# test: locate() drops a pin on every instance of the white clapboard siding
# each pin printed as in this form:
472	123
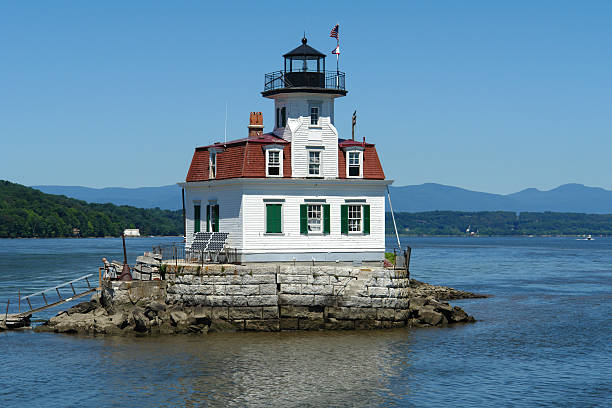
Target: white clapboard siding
302	135
229	199
255	238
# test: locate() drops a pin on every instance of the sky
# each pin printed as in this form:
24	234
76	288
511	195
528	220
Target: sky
489	96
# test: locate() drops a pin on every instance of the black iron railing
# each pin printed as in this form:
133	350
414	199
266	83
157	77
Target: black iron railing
327	80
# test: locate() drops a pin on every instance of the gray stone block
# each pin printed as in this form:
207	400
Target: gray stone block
245	313
262	325
238	300
320	300
267	289
291	288
220	313
262	300
258	279
245	290
220	300
311	324
296	300
269	312
375	291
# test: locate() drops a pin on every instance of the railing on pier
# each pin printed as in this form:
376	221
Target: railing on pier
75	295
177	253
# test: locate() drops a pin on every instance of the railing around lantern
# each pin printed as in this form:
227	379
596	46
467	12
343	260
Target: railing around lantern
323	79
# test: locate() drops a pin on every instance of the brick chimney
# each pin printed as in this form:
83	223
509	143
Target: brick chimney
255	125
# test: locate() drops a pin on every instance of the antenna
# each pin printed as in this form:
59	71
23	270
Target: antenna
225	126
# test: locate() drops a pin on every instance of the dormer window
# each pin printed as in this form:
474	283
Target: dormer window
274	160
212	167
273	164
354	164
354	161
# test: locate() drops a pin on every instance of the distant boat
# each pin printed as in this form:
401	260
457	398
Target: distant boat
587	238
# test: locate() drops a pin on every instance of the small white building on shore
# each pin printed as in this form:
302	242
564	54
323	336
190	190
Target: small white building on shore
299	193
131	232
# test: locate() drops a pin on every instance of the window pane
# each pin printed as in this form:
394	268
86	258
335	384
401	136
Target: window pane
314	218
314	115
354	171
314	163
274	163
354	218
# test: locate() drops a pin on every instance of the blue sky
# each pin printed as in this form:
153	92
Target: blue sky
483	95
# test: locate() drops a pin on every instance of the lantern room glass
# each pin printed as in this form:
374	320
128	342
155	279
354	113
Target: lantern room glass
304	64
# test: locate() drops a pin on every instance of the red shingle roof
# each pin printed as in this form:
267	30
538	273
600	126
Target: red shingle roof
246	158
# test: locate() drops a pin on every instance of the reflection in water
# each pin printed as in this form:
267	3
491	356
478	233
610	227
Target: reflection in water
237	369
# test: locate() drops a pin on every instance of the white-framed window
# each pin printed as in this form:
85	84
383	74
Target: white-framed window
314	163
354	218
314	115
315	218
212	168
354	163
274	163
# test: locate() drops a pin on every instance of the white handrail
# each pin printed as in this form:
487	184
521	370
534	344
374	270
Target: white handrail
57	287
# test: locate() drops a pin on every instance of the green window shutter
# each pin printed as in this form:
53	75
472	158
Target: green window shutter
215	218
208	218
326	219
273	218
344	219
196	218
366	219
303	218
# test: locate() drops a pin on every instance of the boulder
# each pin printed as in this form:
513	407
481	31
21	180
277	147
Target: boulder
141	323
178	317
432	318
83	307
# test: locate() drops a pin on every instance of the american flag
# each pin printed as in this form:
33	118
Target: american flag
334	31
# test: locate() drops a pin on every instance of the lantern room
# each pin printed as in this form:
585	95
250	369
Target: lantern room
304	71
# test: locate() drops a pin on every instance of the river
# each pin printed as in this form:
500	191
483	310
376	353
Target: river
544	338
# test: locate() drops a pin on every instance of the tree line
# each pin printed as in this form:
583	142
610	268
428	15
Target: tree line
26	213
499	223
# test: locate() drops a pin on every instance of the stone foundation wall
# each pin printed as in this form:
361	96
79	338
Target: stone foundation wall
283	297
294	297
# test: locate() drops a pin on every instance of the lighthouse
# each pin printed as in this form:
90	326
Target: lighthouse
298	193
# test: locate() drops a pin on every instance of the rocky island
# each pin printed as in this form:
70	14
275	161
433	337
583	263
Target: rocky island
213	298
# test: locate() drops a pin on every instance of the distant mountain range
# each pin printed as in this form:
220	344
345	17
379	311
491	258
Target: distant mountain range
417	198
164	197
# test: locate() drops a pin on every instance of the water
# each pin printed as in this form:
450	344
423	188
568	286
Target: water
543	339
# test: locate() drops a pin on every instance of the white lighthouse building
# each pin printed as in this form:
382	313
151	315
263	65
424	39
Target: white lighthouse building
299	193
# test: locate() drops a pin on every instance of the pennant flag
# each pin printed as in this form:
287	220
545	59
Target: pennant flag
336	50
335	31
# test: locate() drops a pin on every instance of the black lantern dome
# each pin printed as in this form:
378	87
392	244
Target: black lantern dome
304	71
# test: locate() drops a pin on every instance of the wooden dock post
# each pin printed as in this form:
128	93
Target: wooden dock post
8	302
407	253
